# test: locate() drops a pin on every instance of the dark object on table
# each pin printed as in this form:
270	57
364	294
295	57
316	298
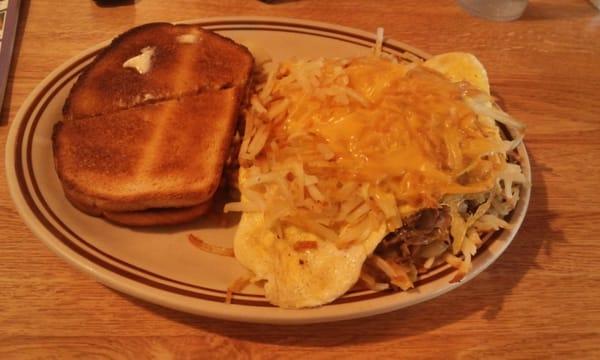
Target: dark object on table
275	2
8	33
112	3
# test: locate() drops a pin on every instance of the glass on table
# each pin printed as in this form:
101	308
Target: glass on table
498	10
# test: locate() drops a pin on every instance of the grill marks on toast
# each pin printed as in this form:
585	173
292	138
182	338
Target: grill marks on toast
149	149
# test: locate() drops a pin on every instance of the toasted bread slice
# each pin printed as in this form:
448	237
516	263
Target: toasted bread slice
155	217
161	155
185	59
150	217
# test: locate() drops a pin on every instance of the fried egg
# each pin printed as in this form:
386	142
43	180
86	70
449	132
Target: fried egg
298	279
460	66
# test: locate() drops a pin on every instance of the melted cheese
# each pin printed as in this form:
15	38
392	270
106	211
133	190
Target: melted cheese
416	130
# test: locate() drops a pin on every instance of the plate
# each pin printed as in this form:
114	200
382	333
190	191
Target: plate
159	265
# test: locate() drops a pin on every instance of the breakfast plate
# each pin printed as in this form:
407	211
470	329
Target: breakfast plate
159	264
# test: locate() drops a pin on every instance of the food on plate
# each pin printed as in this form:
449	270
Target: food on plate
148	125
373	170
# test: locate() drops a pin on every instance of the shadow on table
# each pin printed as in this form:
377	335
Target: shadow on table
547	11
495	283
23	15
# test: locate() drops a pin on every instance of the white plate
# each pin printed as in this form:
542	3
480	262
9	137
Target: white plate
159	265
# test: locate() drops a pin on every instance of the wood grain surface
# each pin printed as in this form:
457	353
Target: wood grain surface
541	299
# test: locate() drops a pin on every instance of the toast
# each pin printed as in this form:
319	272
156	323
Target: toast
155	217
147	146
149	217
186	59
166	154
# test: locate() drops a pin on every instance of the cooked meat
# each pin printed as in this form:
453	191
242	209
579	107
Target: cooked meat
424	227
401	248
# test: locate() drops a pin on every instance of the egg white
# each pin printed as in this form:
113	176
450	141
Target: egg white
460	66
297	279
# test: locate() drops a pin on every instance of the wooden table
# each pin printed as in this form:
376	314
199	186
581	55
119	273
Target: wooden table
540	299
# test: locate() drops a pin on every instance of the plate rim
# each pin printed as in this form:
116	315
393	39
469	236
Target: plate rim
230	311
